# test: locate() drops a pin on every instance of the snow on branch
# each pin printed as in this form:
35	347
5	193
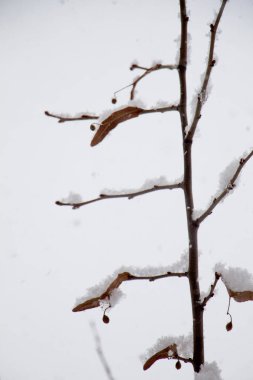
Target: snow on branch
171	347
238	281
208	371
228	179
62	118
201	97
212	289
155	185
107	291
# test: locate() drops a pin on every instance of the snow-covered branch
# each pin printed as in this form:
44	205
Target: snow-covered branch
171	347
210	64
121	277
230	186
112	195
62	118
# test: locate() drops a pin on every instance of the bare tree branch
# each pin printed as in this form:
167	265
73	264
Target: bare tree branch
210	64
211	293
183	65
63	119
128	195
100	352
148	70
222	195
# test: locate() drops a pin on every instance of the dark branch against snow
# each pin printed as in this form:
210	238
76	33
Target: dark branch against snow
63	118
225	192
210	64
131	195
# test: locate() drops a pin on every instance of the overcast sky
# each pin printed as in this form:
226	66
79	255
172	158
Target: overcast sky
70	56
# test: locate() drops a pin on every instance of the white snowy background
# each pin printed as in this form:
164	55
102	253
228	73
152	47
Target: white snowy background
70	56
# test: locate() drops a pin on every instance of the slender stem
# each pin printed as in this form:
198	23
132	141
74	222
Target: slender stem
197	311
159	276
127	195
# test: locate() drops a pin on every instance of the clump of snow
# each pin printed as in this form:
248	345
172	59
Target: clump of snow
161	103
115	297
177	41
179	266
227	174
197	213
156	62
72	198
236	279
134	62
209	371
99	289
184	346
137	103
79	114
148	184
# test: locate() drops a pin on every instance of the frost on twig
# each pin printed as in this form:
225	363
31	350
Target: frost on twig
107	291
238	281
171	347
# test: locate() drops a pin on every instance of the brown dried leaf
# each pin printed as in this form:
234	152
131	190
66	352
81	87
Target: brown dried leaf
163	354
246	295
113	120
95	302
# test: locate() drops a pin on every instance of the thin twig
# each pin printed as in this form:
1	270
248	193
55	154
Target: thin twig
183	65
128	195
149	70
211	293
222	195
159	276
161	109
63	119
210	64
100	352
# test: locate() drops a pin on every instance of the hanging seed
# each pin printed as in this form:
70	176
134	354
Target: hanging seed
178	365
229	326
106	319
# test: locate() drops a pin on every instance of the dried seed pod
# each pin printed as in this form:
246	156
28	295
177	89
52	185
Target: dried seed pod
106	319
178	365
229	326
92	127
114	100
